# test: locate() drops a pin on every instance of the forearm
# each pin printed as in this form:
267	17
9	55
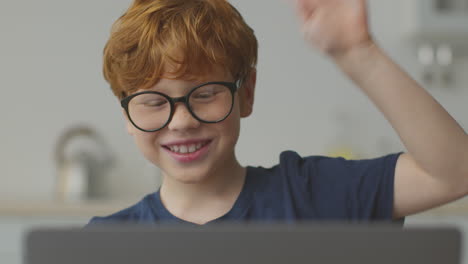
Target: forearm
430	134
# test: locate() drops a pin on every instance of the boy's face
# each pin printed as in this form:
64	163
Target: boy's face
215	143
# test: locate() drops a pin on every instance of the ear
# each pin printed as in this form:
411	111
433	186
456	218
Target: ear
128	124
247	94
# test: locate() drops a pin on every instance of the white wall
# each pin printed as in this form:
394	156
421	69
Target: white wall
51	78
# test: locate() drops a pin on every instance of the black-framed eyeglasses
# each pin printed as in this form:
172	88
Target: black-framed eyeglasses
210	102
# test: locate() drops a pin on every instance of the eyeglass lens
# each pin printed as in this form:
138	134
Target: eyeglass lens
209	103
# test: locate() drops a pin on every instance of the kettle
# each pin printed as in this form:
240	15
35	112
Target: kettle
80	163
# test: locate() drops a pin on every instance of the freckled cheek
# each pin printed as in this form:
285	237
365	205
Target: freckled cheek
231	127
148	145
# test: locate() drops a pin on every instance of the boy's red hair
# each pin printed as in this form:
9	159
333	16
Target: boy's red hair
177	39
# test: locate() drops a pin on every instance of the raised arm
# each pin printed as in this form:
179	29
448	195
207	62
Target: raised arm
435	169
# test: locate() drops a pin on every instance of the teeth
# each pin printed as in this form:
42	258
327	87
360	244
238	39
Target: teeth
183	149
191	148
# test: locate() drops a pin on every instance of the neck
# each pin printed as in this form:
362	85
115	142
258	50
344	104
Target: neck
207	199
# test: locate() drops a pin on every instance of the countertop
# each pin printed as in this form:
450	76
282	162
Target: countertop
65	209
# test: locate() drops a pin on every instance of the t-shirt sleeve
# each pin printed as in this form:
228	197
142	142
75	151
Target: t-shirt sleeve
340	189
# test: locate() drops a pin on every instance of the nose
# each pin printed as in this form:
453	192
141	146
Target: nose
182	119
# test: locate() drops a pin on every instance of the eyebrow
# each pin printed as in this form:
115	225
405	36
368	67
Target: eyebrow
166	89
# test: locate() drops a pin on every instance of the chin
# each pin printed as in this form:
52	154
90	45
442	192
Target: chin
189	179
188	176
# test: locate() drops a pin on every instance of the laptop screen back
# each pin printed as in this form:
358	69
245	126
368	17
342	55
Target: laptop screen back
266	244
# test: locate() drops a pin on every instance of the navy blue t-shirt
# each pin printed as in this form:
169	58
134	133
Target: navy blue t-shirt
298	189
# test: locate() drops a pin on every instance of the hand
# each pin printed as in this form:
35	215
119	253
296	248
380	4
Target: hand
335	27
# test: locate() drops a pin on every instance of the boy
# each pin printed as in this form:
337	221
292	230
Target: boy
184	71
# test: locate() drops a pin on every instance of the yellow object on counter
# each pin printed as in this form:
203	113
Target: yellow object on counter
343	152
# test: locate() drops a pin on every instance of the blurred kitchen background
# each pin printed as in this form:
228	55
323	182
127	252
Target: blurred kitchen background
65	154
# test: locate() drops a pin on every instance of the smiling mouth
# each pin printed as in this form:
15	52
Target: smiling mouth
187	148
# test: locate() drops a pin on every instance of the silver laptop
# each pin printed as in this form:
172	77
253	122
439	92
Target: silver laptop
259	244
